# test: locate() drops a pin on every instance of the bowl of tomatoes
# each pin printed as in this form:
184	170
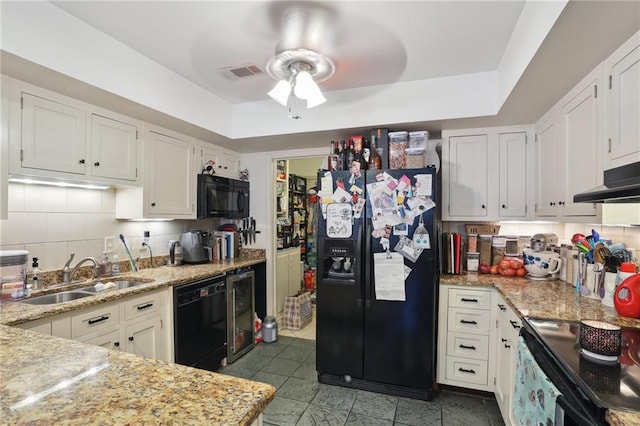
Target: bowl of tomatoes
509	267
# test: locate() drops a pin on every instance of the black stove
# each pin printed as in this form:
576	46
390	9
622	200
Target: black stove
608	384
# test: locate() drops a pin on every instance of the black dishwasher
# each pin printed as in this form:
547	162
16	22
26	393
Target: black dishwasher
200	323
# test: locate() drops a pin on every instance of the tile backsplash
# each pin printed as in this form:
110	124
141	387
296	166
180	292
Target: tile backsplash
51	222
630	235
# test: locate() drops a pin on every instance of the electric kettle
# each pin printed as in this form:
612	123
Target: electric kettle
626	298
195	247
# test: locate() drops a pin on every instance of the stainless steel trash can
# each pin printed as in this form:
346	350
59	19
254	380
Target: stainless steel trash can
269	330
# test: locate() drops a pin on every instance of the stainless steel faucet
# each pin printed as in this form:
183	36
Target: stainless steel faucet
67	274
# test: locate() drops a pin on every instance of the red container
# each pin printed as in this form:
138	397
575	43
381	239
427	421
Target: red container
626	298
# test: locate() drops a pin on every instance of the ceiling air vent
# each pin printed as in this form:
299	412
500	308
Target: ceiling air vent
242	71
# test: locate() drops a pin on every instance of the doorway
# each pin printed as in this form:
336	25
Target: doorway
295	182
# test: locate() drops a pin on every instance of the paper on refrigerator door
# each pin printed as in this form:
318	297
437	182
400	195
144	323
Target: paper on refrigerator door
389	276
423	185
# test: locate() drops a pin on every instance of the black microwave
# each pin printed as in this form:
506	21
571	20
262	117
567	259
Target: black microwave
222	197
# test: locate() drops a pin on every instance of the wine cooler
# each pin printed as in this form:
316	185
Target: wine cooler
240	314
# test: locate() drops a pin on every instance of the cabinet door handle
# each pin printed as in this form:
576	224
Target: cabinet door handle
97	320
467	347
502	307
81	161
503	340
514	324
141	307
469	322
153	204
116	344
504	206
131	338
464	370
561	203
483	206
464	299
507	346
97	164
609	144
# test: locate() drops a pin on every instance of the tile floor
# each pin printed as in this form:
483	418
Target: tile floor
289	365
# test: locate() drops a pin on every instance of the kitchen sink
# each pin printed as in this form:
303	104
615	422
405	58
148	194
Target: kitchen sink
62	297
120	284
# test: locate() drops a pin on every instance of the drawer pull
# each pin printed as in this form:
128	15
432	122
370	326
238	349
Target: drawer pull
507	346
503	340
97	320
131	338
467	347
141	307
514	324
116	344
464	299
464	370
470	322
502	307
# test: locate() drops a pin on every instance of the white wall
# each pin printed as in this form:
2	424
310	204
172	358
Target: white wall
51	222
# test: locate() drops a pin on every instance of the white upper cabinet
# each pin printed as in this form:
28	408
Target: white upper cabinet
622	134
225	163
512	172
569	151
582	155
487	173
170	175
170	171
53	136
114	147
468	165
547	165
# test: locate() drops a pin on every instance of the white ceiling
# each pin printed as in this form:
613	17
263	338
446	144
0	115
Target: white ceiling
379	47
372	43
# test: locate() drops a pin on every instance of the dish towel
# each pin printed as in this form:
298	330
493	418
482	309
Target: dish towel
534	399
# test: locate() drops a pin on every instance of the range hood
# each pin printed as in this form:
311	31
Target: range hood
621	185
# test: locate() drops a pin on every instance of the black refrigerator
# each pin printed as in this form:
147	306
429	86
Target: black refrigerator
367	337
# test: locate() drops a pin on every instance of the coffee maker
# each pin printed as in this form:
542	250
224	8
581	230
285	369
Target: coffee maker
195	247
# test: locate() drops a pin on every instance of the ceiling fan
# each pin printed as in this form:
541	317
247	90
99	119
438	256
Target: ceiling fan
321	42
299	63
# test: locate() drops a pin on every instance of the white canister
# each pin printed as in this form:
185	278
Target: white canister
13	274
609	288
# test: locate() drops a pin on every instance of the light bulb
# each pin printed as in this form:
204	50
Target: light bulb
304	85
315	98
280	93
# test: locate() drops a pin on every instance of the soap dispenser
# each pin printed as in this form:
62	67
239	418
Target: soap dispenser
36	283
105	266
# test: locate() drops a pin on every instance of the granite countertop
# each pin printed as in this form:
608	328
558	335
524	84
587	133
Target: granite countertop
551	300
15	313
49	380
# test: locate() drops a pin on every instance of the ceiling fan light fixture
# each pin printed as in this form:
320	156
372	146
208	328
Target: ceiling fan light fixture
301	70
280	93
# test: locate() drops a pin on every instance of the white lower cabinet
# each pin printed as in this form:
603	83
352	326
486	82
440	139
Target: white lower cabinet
464	336
506	346
137	325
108	340
288	274
144	338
